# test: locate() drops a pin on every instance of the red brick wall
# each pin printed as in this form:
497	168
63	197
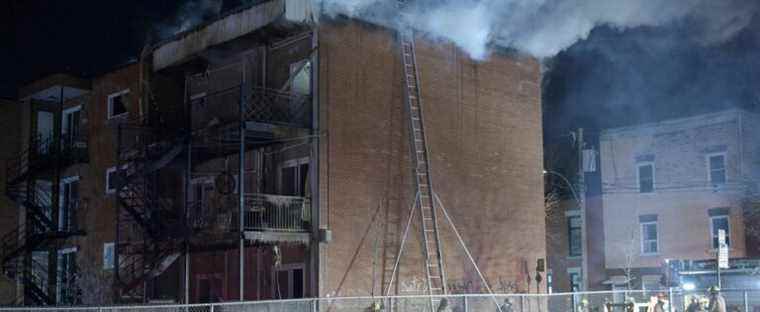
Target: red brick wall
484	130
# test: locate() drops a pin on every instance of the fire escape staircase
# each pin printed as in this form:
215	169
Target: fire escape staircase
38	229
150	229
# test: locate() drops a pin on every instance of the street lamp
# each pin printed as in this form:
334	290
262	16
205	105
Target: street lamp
570	185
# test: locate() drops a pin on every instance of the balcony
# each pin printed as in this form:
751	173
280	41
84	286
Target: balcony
266	217
280	108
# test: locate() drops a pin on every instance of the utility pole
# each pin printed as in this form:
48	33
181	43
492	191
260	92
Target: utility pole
582	206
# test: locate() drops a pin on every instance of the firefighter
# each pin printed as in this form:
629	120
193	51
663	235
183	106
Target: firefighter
717	302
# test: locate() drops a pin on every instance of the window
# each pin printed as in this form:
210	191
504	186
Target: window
719	223
294	177
300	73
649	243
646	178
717	167
65	287
111	180
117	104
576	283
69	203
108	256
575	244
288	281
71	120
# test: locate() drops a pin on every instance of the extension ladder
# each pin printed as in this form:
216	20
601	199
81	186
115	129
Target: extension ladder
426	206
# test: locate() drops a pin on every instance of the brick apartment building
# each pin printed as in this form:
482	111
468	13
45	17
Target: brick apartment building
567	257
148	190
668	187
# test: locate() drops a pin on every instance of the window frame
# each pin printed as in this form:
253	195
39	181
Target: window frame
644	241
65	122
109	170
62	200
296	163
290	268
109	103
708	166
714	233
569	219
109	265
110	190
638	176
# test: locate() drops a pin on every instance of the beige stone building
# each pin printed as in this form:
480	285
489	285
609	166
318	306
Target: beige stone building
668	188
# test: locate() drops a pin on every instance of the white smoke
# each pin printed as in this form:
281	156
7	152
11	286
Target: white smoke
543	28
188	15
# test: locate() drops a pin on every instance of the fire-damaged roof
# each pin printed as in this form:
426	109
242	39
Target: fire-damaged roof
230	26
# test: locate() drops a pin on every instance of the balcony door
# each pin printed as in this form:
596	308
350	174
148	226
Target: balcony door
44	130
69	202
288	281
71	125
66	271
294	177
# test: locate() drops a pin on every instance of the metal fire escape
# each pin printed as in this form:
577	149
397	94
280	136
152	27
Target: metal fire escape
39	230
150	230
426	204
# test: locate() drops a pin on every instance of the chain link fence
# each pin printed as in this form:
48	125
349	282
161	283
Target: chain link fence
675	300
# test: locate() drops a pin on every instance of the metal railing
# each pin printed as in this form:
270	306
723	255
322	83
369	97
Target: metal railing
736	300
279	107
264	212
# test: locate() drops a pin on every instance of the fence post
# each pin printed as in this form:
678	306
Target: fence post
211	308
466	309
746	302
670	299
314	305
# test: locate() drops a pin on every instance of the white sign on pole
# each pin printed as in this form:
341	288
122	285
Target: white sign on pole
722	250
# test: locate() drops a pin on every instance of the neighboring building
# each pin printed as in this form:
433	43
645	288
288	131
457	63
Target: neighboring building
565	218
10	118
668	187
326	180
48	153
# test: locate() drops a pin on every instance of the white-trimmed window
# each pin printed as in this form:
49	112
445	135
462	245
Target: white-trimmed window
645	177
117	104
109	251
649	241
716	166
111	180
720	223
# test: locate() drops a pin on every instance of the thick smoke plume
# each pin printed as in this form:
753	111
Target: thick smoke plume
543	28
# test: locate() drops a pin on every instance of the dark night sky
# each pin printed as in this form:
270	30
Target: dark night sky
613	77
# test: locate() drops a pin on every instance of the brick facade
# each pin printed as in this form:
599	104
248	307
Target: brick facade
484	130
